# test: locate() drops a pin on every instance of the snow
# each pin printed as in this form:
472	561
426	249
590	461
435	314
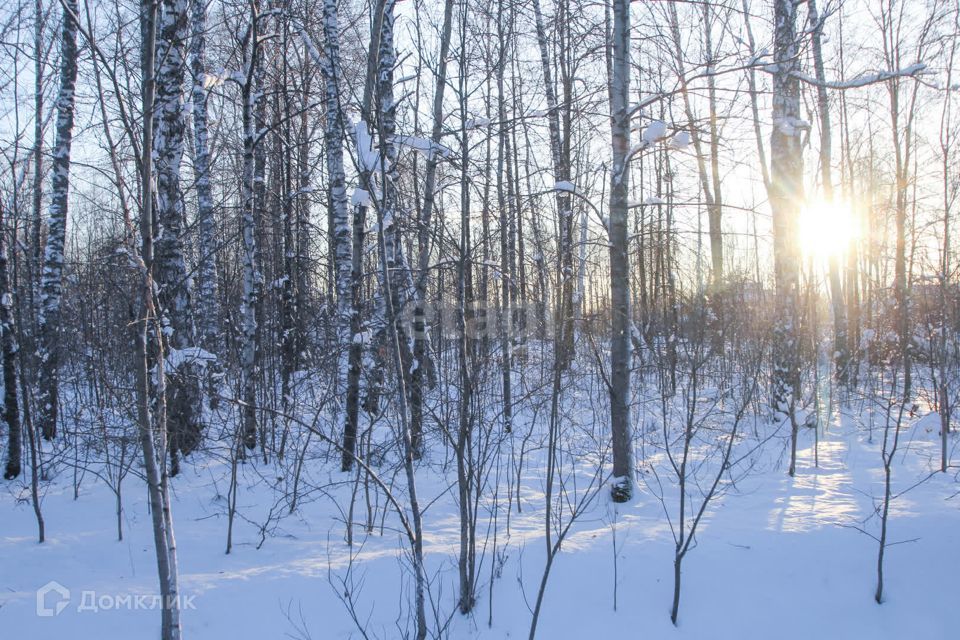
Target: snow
680	141
565	185
654	132
790	126
367	157
311	47
653	200
864	79
360	198
779	549
424	146
211	80
189	355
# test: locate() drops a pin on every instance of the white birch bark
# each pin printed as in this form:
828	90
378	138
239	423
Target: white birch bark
424	370
51	283
398	288
11	378
172	277
786	194
248	232
355	363
620	346
153	427
207	314
339	210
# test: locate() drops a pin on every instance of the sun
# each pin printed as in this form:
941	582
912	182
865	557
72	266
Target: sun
826	229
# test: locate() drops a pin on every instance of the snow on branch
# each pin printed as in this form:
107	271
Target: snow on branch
425	146
176	358
312	48
368	156
862	80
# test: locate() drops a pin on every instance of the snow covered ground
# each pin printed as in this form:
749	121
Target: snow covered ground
776	557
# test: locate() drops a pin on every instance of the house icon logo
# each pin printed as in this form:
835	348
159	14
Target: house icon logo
52	598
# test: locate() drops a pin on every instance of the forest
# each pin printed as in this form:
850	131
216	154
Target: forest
449	319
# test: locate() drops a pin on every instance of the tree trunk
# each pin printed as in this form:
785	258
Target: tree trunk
207	312
786	194
51	283
11	404
157	486
561	170
248	231
355	355
424	369
172	278
339	212
620	346
840	349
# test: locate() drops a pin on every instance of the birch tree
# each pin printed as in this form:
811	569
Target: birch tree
424	372
51	284
11	375
398	287
786	194
249	210
840	348
207	312
356	349
172	277
560	156
621	351
710	179
336	186
151	414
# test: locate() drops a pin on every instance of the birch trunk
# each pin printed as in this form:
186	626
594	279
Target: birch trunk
11	404
355	355
51	282
786	193
620	345
424	371
248	232
709	178
339	212
398	288
207	314
506	204
153	456
840	348
561	170
402	290
172	277
36	262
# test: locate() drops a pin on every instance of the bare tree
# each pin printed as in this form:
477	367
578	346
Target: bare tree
207	311
334	141
621	350
250	300
840	347
560	155
151	422
11	374
172	276
786	194
51	287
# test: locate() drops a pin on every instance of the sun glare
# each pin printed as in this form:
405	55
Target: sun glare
826	229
